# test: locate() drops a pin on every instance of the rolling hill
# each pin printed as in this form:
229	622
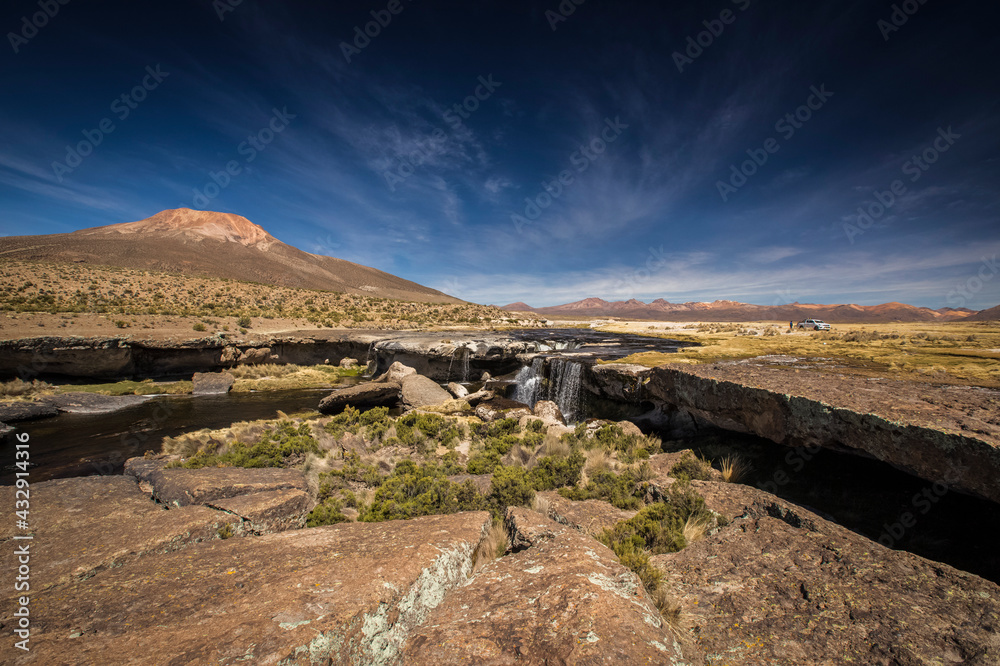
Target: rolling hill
221	245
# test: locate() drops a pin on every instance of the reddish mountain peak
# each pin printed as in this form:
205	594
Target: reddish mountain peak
517	307
194	224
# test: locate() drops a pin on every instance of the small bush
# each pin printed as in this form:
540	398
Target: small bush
509	487
552	472
624	491
327	513
282	446
412	491
691	468
243	322
199	327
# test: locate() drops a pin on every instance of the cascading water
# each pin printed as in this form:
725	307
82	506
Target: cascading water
564	387
466	353
529	382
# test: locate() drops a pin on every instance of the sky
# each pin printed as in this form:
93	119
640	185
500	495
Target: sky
539	151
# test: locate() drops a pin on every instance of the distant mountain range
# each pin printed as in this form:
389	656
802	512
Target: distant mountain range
734	311
220	245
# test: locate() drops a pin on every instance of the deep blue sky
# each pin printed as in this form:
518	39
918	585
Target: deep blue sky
643	219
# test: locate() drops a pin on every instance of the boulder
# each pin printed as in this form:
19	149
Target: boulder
780	585
349	363
256	356
396	373
477	397
498	408
560	598
419	391
362	396
346	593
212	383
629	428
457	390
11	412
181	487
268	511
549	413
87	524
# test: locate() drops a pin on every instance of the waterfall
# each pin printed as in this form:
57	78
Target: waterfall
466	353
529	381
564	387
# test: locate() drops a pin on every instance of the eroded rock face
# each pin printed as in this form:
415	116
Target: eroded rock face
362	396
563	599
268	511
960	461
501	408
182	487
419	391
85	525
589	516
780	585
212	383
347	593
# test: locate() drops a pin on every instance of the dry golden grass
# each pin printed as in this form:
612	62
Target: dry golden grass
733	468
694	529
18	389
541	505
493	545
945	352
221	304
670	610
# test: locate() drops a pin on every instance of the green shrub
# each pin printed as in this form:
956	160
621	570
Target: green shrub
327	513
412	491
199	327
509	487
554	472
353	470
624	490
243	322
691	468
483	462
277	448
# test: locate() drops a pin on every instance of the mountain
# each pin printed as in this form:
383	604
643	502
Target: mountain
221	245
992	314
735	311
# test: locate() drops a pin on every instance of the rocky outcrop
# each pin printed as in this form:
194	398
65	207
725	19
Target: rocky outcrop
560	598
457	390
396	373
361	396
12	412
501	408
419	391
960	461
268	511
85	525
212	383
782	586
589	516
549	413
347	593
182	487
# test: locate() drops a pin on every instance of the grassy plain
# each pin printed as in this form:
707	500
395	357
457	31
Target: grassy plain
937	352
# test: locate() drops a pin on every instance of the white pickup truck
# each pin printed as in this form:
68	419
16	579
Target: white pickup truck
815	324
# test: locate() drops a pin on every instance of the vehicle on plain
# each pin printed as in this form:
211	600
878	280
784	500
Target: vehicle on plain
815	324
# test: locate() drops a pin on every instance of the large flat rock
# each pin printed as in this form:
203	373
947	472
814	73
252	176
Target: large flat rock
419	391
181	487
88	524
361	396
347	593
563	599
92	403
589	516
268	511
782	586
